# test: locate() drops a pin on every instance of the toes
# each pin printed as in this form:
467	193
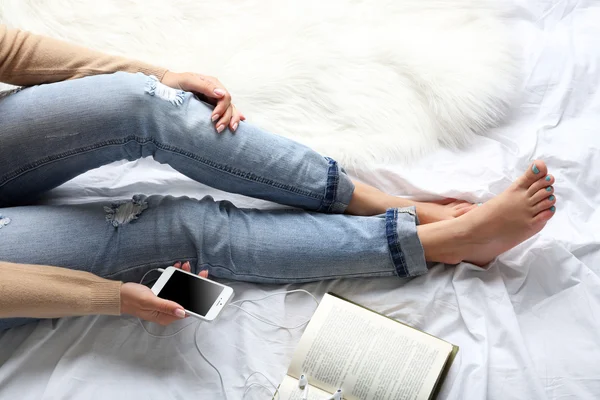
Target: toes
462	205
540	184
465	210
534	172
544	216
452	203
541	194
545	204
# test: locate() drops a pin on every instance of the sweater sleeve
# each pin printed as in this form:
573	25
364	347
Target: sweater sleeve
27	59
40	291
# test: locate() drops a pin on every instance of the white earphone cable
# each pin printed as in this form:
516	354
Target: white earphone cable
276	392
240	302
235	305
209	363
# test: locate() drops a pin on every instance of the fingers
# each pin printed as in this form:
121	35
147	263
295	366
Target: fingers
185	266
224	114
223	105
212	89
165	312
168	307
206	85
235	119
225	120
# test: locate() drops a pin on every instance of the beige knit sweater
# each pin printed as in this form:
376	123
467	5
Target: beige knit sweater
44	291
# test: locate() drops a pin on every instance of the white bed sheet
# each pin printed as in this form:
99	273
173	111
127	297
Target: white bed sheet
528	327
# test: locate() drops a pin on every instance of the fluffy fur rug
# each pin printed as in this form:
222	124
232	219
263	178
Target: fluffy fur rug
360	80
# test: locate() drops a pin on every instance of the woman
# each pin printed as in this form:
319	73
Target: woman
71	260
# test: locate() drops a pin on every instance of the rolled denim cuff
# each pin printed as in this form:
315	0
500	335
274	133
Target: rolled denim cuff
338	191
403	242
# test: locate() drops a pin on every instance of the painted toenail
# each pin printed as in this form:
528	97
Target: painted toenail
548	178
535	169
479	204
551	198
549	189
553	209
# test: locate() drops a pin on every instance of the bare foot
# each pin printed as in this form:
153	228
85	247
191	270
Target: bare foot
436	211
479	236
368	200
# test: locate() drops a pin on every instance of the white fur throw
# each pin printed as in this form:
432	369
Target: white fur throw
360	80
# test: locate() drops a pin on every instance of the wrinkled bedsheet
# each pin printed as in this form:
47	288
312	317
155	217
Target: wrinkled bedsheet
528	326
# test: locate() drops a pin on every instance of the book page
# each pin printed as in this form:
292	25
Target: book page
368	355
288	390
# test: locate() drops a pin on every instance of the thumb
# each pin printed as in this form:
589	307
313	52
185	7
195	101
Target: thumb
169	308
199	84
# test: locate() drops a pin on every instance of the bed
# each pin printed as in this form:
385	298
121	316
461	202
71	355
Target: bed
527	326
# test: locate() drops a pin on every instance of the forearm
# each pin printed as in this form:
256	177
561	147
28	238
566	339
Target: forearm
38	291
27	59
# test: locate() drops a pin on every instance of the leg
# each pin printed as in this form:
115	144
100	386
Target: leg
367	200
126	240
52	133
515	215
123	240
269	246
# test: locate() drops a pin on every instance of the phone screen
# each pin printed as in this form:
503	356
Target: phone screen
193	294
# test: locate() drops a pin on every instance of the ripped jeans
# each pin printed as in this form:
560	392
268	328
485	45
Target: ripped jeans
52	133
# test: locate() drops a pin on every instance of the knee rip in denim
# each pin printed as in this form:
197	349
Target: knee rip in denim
4	221
155	88
124	212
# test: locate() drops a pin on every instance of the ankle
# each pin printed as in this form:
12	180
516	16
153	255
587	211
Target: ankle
367	201
446	241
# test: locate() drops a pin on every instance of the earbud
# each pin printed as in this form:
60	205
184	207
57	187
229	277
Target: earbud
336	396
303	385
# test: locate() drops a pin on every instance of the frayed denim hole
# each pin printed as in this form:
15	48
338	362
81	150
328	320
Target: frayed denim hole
155	88
4	221
124	212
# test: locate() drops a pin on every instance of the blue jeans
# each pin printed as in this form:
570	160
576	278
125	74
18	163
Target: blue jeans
52	133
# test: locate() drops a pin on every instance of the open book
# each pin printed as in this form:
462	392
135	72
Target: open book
367	355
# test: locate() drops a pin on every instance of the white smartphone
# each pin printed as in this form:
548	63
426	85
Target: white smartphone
200	297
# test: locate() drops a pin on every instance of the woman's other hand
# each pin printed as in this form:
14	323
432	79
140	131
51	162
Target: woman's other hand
212	91
139	301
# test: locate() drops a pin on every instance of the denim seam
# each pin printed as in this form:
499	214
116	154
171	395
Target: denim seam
287	280
201	266
237	173
333	178
396	253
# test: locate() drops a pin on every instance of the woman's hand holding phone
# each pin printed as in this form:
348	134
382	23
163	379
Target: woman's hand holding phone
139	301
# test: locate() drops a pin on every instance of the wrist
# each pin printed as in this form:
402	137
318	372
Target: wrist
125	296
166	76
